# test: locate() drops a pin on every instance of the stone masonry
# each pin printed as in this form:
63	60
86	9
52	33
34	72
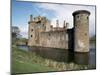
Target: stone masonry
81	31
42	33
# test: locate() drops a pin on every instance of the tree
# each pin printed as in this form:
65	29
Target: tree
15	34
15	31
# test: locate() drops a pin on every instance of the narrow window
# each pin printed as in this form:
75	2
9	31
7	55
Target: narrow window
85	34
31	29
43	24
77	16
31	35
87	17
49	34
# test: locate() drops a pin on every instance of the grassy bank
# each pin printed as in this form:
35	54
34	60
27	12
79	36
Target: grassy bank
24	62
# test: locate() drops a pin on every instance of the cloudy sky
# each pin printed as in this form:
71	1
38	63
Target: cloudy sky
61	12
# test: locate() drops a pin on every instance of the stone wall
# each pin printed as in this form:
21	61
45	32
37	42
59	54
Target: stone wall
36	26
40	34
54	39
70	33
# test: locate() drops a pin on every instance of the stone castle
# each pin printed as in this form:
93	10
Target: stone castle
42	34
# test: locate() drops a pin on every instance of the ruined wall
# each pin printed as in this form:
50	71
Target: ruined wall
54	39
34	31
36	26
31	37
40	34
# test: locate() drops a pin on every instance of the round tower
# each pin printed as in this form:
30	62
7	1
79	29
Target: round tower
81	30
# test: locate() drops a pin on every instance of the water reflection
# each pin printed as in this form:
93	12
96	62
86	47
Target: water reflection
60	55
81	58
63	55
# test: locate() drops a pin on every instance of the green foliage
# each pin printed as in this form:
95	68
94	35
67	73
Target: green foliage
25	67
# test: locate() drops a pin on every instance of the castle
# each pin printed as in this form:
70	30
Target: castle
42	34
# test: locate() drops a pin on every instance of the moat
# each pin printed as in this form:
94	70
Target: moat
62	55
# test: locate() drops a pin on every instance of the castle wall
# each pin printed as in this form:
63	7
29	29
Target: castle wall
70	33
41	34
54	39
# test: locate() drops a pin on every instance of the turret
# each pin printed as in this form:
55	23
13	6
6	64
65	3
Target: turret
57	23
31	18
81	30
64	24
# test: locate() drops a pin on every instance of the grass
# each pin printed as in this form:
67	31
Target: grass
24	62
25	67
27	61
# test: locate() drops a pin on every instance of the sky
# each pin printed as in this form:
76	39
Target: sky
22	10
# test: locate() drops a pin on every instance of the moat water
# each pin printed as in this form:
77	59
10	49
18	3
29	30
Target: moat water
63	55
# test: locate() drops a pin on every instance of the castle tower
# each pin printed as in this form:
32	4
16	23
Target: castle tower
57	23
67	24
36	26
81	30
31	18
64	23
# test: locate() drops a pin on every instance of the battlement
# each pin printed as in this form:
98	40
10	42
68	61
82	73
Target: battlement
38	19
44	22
81	12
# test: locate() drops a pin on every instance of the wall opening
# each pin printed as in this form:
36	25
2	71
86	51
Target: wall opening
31	29
31	35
